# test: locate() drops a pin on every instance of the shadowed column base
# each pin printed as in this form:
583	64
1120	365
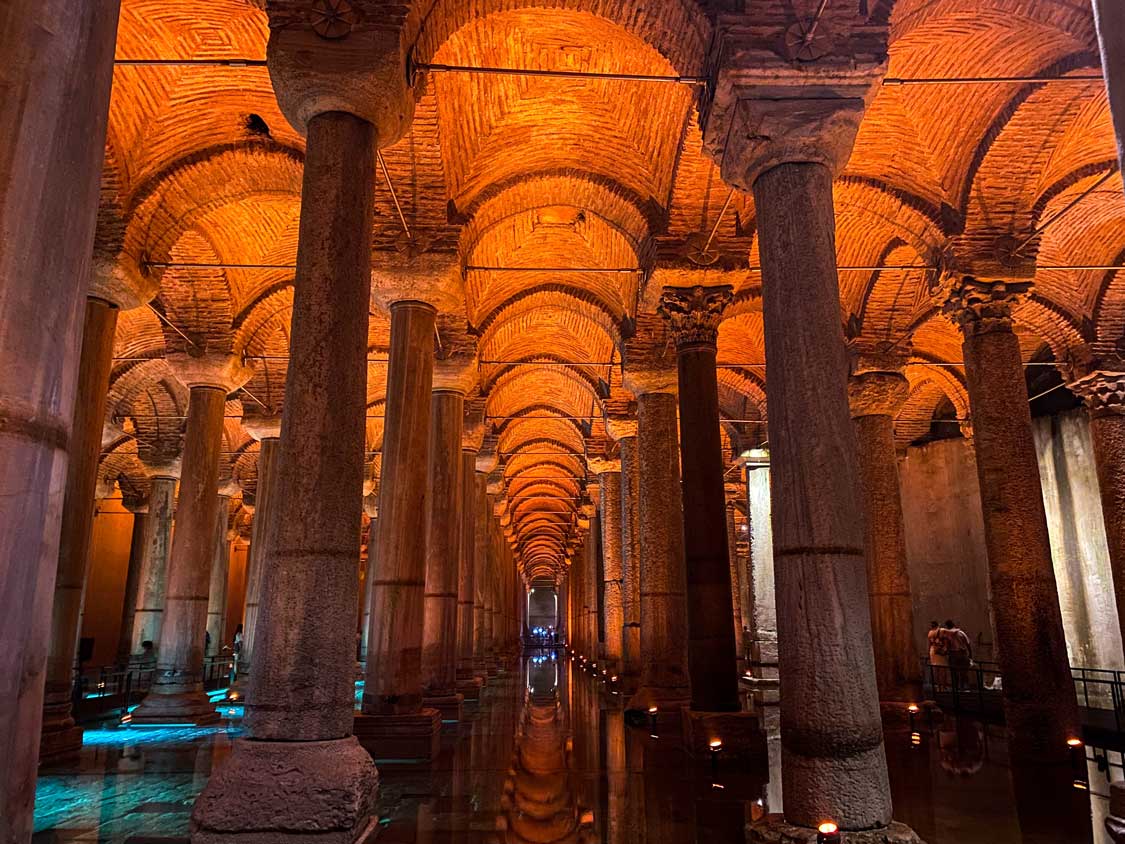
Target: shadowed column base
400	737
740	734
470	687
192	707
290	792
773	829
449	705
60	738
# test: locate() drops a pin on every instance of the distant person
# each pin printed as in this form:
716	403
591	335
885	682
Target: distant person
939	653
960	651
148	651
238	640
206	641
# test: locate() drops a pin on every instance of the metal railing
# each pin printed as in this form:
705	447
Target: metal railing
111	689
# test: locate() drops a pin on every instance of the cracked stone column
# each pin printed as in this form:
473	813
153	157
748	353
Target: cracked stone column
393	687
267	431
443	550
176	695
153	578
665	679
694	314
349	96
468	683
1040	708
56	77
625	432
220	569
877	391
609	479
61	737
1104	395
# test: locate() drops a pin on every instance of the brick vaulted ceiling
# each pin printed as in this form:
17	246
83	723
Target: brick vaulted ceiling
530	172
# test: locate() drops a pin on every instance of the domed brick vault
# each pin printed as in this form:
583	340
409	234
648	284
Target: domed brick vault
542	216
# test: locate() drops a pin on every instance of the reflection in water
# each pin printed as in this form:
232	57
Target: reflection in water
546	756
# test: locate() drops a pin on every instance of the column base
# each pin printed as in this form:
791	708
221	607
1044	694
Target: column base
448	705
59	742
740	732
773	829
400	737
469	688
191	708
289	792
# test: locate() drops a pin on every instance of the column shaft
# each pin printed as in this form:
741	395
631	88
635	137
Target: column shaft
630	563
1109	16
300	709
177	688
712	656
149	613
664	637
132	586
443	544
466	565
220	573
735	581
832	739
56	76
1107	430
611	500
1039	703
897	669
480	572
262	532
59	733
590	581
394	653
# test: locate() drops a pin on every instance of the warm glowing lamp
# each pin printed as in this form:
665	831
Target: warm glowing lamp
828	833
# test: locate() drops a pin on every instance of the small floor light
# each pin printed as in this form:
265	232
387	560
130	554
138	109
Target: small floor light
1077	756
652	720
828	833
912	711
716	746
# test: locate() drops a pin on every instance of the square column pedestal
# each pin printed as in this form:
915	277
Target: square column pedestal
470	689
740	733
773	829
449	706
400	737
290	792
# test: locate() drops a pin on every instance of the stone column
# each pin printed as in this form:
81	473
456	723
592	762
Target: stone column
832	740
263	529
220	572
1039	703
56	75
443	549
149	612
609	479
467	683
735	575
1109	17
694	314
480	574
590	575
392	698
301	699
177	694
664	680
626	433
1104	395
876	393
132	580
60	735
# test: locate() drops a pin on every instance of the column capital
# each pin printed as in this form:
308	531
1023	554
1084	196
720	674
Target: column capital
621	427
1102	391
786	93
644	381
875	393
220	371
116	278
694	313
455	374
261	426
344	55
602	465
981	307
423	278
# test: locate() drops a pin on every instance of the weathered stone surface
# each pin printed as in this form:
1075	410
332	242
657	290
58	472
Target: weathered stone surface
775	830
321	791
416	735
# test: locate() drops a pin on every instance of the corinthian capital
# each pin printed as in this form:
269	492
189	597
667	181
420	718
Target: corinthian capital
1102	391
875	393
694	313
981	307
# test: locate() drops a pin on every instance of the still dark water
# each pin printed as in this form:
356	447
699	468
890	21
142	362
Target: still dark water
546	757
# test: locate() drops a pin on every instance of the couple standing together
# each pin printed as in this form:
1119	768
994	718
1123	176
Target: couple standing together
950	647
